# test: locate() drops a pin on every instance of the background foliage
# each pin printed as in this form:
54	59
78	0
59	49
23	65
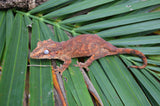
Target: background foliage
124	23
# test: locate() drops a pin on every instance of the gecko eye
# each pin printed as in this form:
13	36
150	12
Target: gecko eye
46	52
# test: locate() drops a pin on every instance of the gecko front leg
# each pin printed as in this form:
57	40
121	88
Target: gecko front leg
62	68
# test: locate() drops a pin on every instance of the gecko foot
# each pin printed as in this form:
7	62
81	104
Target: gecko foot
59	69
81	65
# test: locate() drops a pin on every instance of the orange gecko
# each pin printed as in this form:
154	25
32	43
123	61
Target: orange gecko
80	46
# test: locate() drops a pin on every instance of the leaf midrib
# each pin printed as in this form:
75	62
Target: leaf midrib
40	73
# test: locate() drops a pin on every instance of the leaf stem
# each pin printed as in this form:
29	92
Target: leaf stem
46	21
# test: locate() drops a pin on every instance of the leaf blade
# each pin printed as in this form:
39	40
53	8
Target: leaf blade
119	21
74	7
2	32
122	8
129	92
147	83
13	78
131	29
153	39
47	5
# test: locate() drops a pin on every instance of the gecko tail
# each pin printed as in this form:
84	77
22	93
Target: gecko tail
136	52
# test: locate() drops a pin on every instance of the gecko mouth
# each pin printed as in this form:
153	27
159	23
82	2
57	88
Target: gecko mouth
33	56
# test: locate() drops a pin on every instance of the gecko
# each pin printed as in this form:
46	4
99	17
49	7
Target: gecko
85	45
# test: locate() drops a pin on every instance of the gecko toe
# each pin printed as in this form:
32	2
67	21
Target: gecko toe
61	73
81	65
87	68
78	64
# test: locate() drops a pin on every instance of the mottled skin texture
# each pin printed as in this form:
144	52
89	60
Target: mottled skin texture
81	46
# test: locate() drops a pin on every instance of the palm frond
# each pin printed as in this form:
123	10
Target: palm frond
124	23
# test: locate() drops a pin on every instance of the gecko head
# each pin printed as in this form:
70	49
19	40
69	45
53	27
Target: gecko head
46	49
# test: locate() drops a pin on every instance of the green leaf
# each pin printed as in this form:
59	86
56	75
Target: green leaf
149	84
149	61
123	82
76	7
15	65
41	85
77	86
70	97
47	5
118	21
9	25
148	50
98	89
2	32
105	85
60	35
113	10
131	29
27	21
137	40
154	68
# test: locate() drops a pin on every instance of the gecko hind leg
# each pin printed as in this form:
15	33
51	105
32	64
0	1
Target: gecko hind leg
91	59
